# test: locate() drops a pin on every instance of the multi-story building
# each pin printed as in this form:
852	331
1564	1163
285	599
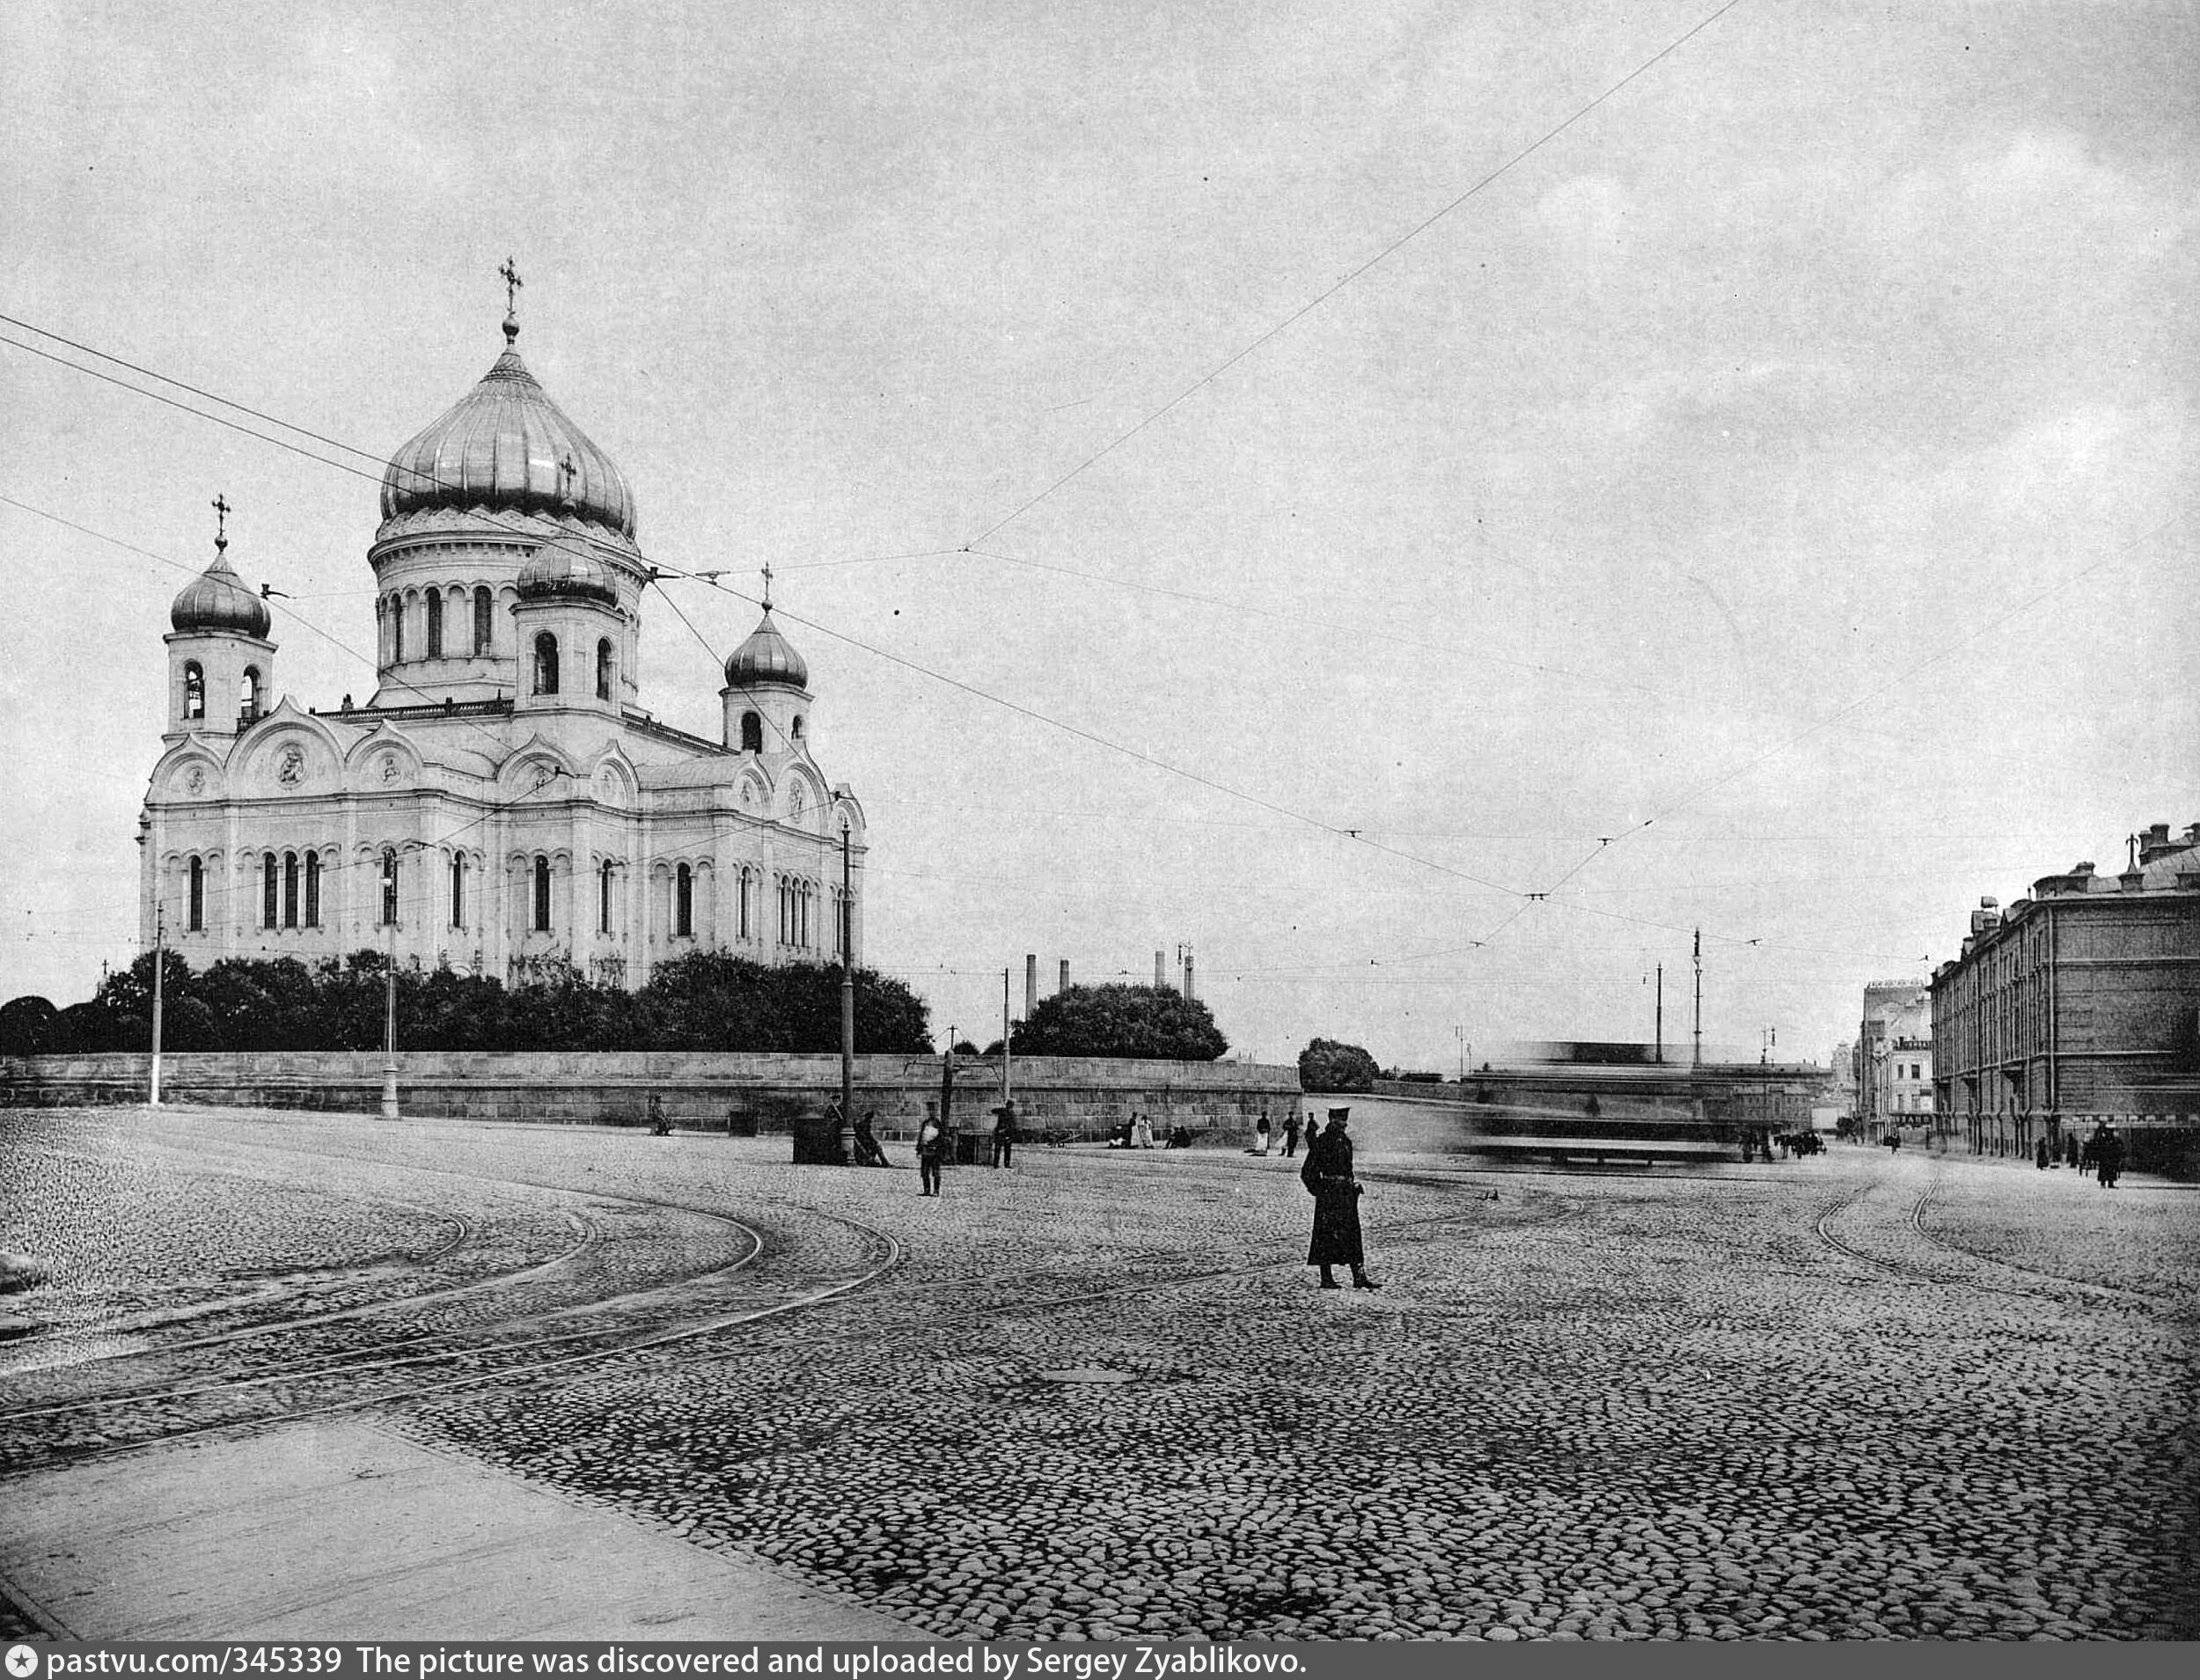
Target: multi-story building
502	802
2080	1003
1886	1004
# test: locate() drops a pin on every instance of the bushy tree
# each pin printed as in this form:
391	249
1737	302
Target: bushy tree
1116	1020
25	1024
1326	1065
708	1000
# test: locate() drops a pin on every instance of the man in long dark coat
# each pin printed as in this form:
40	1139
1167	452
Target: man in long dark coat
1328	1174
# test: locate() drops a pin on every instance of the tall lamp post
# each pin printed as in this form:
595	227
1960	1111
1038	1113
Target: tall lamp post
160	962
846	1142
389	978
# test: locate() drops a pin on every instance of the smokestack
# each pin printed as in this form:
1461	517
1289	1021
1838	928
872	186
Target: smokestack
1160	970
1031	983
1064	986
1188	992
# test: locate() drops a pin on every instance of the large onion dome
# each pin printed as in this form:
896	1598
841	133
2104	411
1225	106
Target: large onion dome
567	568
766	657
505	447
218	599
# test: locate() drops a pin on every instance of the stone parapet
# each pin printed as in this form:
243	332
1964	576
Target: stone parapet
1057	1097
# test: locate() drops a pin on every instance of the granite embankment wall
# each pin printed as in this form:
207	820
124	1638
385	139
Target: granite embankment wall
1067	1097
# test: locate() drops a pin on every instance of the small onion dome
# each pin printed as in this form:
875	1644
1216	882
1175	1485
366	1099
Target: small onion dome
218	599
568	570
766	657
505	446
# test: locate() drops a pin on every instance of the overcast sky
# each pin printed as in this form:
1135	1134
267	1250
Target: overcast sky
1783	472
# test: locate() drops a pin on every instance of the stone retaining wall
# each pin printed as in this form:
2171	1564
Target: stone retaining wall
1066	1096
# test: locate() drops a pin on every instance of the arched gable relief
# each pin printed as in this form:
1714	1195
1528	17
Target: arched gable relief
287	755
613	779
753	793
190	774
382	759
539	765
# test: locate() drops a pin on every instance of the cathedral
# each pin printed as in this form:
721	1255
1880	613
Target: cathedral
501	803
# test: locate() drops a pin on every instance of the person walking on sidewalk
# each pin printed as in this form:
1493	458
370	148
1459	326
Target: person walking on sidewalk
1004	1134
1291	1131
1328	1177
931	1140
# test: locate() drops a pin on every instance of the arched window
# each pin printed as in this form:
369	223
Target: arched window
545	664
248	691
389	886
542	895
194	690
752	732
684	904
484	608
198	896
795	729
603	879
313	889
743	911
289	889
435	624
268	889
397	629
603	669
457	890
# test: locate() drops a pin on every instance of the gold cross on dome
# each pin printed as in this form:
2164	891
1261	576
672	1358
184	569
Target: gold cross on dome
768	586
221	507
512	283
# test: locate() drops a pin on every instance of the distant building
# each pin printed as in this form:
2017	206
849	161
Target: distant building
1889	1005
2081	1002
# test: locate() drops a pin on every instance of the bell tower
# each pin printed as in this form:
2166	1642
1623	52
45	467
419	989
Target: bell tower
221	663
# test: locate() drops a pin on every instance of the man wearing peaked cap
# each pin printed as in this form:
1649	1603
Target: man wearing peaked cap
1328	1176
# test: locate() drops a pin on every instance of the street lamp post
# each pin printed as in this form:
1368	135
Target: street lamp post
846	1142
389	978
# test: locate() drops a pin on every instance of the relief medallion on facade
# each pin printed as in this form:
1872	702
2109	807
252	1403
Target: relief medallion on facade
290	767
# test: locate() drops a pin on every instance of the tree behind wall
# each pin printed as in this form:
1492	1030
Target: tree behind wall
1121	1021
1326	1065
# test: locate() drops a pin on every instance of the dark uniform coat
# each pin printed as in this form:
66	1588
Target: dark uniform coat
1328	1174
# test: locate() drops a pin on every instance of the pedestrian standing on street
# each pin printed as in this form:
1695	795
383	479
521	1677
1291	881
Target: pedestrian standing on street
931	1140
1291	1131
1142	1133
2039	1155
1004	1133
2107	1154
659	1126
1328	1177
1260	1135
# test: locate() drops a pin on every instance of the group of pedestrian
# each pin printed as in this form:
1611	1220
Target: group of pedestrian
1264	1135
1137	1132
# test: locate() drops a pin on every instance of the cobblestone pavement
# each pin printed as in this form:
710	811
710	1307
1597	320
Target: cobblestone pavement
1099	1397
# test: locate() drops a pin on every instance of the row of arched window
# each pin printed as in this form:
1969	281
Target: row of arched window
194	691
434	616
547	668
289	889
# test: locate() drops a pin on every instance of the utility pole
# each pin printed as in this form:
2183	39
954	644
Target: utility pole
1661	1014
389	993
847	1140
160	961
1004	1037
1700	998
1460	1033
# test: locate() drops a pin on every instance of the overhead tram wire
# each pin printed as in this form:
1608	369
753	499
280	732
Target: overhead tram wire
1097	739
1315	303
